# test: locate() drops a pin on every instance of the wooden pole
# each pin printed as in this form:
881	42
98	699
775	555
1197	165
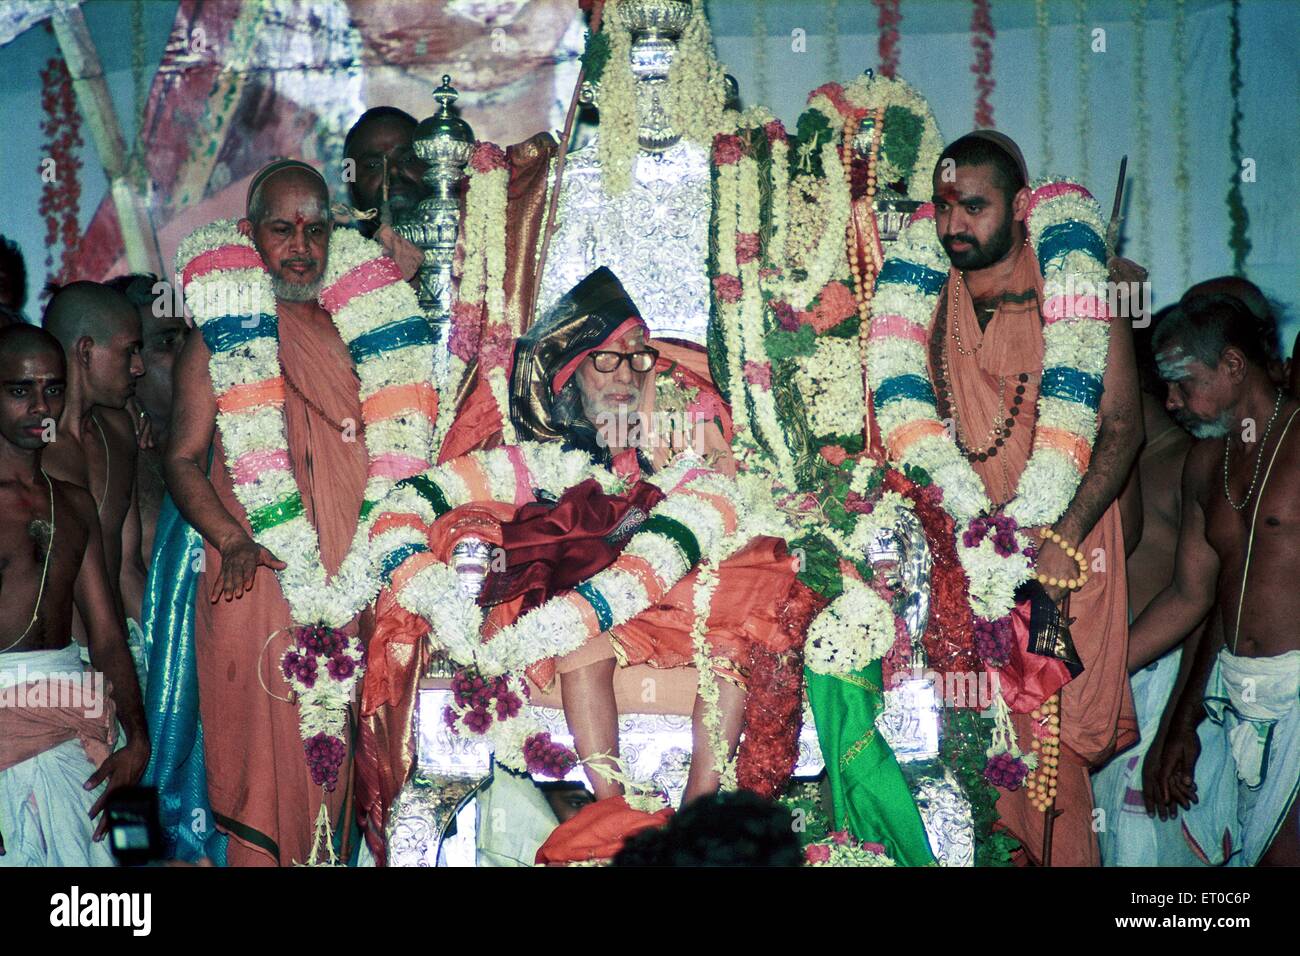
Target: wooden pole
138	236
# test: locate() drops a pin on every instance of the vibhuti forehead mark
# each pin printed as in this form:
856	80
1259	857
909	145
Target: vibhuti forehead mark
1173	364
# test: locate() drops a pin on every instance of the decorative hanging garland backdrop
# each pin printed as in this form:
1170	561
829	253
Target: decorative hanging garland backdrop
982	35
1240	219
1081	75
1182	176
1044	85
888	18
58	167
1142	131
833	39
760	52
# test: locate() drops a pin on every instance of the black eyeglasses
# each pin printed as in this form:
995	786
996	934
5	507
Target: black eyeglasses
640	361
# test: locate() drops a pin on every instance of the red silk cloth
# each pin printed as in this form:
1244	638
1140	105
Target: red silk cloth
1028	679
553	548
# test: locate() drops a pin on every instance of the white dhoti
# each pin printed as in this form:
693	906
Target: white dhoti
56	725
1248	774
1127	835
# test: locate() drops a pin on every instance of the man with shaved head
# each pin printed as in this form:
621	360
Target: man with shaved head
94	442
58	721
259	783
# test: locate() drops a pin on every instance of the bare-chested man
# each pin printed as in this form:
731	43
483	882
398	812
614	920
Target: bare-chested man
1235	562
56	730
1151	506
94	444
163	331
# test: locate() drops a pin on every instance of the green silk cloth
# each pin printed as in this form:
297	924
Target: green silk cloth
870	797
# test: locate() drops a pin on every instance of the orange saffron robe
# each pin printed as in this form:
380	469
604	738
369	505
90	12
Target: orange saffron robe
258	782
1097	715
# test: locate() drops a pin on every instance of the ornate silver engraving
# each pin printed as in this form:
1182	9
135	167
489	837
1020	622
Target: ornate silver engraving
946	813
654	237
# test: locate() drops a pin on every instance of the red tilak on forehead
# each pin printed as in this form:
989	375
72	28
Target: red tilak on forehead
298	219
949	194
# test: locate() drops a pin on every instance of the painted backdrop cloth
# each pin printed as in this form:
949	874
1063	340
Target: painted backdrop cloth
1097	717
261	790
46	755
1248	774
176	766
1130	836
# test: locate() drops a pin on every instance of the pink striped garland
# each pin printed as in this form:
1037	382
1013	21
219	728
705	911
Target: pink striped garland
397	466
523	480
1052	191
1060	307
895	326
221	258
367	277
249	467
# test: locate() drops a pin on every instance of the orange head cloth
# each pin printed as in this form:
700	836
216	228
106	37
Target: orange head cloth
597	832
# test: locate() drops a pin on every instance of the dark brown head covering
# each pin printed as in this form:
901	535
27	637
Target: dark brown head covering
583	319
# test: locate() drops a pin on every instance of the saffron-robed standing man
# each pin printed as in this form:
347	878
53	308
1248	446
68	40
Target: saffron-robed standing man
987	352
259	783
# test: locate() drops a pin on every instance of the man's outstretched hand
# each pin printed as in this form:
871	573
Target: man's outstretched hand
122	768
239	562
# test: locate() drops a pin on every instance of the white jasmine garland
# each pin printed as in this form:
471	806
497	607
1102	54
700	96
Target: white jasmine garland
854	630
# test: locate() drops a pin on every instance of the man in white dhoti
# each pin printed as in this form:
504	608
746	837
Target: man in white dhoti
58	720
1235	774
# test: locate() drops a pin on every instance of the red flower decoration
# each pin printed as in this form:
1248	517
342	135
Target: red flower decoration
775	131
727	149
758	374
466	330
835	304
817	853
786	315
747	246
727	288
834	454
498	345
487	157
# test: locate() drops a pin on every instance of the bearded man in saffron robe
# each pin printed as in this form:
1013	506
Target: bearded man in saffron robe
261	790
986	358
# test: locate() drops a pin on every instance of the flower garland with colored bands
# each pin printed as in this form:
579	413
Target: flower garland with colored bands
694	522
377	316
229	293
1066	231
